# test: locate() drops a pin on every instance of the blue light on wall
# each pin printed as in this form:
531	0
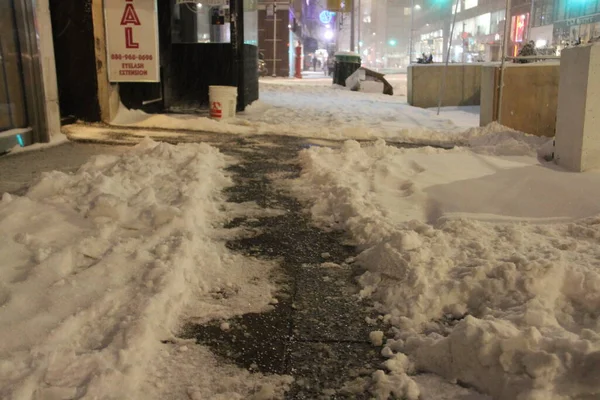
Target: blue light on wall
326	16
20	140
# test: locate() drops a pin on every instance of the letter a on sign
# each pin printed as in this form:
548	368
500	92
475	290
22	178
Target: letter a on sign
130	16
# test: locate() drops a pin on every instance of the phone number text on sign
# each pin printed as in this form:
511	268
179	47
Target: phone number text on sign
132	57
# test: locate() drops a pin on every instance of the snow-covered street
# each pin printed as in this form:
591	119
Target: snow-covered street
431	260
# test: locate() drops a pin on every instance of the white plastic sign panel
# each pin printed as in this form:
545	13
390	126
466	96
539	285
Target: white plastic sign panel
132	40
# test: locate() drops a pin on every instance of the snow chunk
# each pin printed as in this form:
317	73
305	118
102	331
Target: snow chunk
225	326
376	338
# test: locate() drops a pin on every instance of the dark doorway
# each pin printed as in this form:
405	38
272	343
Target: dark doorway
199	47
73	35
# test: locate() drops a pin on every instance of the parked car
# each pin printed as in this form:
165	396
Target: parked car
262	65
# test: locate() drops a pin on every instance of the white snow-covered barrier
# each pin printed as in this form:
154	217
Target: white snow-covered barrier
466	260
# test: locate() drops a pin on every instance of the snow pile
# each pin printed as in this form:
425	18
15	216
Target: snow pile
496	139
98	267
509	307
140	119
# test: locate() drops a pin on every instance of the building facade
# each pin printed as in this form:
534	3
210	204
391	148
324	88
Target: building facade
82	59
29	111
477	34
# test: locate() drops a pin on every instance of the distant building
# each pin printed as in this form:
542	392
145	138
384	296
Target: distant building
477	33
277	44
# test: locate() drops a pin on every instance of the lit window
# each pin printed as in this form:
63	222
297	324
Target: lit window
470	4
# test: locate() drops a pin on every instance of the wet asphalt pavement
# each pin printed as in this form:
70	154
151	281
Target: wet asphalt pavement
317	331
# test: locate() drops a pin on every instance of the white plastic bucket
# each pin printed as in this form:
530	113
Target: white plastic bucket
223	101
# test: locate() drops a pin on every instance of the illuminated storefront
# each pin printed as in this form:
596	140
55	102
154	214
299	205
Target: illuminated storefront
518	31
477	39
432	43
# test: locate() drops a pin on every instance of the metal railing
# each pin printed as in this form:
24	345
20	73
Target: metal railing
542	57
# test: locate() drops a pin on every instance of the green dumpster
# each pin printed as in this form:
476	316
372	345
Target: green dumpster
345	65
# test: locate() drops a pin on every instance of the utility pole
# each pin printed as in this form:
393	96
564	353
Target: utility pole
352	23
359	24
505	44
412	30
274	39
529	23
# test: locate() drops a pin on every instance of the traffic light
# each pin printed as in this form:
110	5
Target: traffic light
392	42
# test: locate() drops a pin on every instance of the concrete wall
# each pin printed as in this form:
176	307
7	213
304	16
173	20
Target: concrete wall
530	97
578	130
463	83
46	49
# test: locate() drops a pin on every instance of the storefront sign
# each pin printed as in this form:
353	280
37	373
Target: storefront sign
590	19
519	22
132	40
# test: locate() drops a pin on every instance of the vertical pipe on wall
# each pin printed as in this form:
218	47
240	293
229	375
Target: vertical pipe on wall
352	26
412	28
359	23
529	23
274	39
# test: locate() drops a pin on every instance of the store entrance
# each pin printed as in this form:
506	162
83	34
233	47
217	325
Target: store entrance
202	44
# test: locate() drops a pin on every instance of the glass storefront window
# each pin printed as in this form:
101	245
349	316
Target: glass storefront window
469	26
200	23
483	24
470	4
457	9
543	13
495	19
591	7
12	96
251	22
